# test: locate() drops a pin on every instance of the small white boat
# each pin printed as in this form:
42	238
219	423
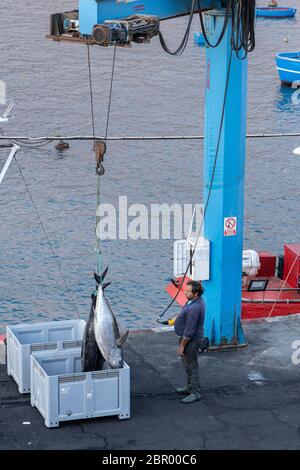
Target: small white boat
297	151
276	12
288	66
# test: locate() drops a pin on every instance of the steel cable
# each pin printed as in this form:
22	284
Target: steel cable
47	237
209	191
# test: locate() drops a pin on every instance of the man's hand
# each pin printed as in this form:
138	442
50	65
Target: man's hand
180	350
182	345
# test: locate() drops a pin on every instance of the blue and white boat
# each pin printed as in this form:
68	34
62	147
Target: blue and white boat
199	39
276	12
288	66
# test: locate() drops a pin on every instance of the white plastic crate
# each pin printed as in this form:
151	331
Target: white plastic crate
27	338
61	392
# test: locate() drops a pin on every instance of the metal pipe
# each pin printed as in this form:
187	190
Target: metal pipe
125	138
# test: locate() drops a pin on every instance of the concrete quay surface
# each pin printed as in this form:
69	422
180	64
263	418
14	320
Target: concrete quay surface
251	399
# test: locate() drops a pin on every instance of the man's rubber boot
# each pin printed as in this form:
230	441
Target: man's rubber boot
191	398
184	390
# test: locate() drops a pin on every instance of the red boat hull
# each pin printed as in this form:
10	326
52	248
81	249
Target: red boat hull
281	297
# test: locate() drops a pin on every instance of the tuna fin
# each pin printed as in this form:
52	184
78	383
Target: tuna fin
105	285
100	278
122	339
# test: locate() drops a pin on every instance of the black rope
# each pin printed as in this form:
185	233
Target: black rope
46	235
243	26
185	39
209	191
91	88
225	25
110	93
243	22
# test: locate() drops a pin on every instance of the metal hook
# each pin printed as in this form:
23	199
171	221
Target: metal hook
100	170
99	149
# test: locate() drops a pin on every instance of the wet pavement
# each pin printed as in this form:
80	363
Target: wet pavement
250	399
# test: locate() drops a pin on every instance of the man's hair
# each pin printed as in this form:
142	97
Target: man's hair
196	287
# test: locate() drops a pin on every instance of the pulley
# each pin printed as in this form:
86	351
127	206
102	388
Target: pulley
99	149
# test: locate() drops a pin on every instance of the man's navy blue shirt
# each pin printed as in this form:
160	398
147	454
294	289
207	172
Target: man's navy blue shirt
190	321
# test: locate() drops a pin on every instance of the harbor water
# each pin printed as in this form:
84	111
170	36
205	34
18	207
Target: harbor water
153	94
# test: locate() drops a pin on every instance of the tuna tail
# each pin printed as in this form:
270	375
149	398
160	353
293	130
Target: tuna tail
100	278
94	294
122	339
104	286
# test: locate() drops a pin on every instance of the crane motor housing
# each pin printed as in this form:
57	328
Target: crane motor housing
135	28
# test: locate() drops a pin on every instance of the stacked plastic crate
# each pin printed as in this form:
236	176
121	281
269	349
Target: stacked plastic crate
45	360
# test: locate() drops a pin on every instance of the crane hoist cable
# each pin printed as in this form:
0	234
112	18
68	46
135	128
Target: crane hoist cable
225	25
91	88
46	236
100	149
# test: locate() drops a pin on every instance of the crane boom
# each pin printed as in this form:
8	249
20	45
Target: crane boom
92	12
107	22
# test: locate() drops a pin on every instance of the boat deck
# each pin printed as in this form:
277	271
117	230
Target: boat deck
277	300
250	399
277	290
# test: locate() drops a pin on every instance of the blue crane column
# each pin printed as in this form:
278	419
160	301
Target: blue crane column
226	200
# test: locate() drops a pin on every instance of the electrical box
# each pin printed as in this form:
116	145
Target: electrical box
195	253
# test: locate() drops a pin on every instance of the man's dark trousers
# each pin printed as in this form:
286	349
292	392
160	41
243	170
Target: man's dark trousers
190	363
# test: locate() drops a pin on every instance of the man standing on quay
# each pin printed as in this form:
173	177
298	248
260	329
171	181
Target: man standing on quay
189	328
